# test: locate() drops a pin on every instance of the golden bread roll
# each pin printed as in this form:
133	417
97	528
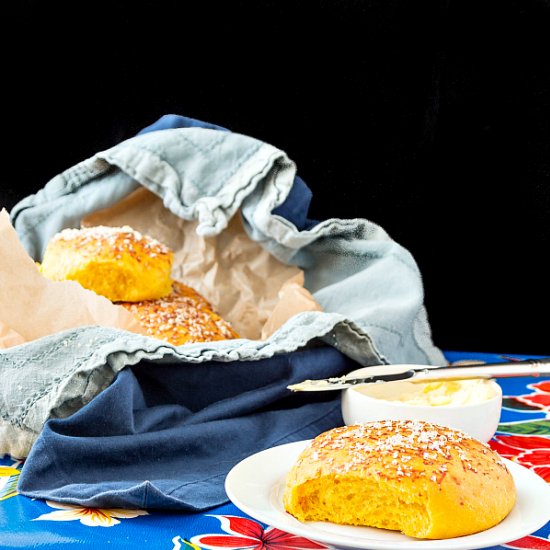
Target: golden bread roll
424	480
183	317
116	262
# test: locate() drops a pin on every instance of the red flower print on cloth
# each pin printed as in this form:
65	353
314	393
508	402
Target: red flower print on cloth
528	450
542	386
529	543
540	398
246	534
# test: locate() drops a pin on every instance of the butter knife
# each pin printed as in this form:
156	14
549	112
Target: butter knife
389	373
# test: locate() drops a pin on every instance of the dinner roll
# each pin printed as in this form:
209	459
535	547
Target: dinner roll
422	479
116	262
183	317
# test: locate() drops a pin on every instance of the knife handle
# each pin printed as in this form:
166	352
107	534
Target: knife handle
529	367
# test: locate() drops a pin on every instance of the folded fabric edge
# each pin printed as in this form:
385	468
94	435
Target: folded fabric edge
97	372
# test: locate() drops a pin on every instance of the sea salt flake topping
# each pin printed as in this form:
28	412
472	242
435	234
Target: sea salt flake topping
120	239
391	445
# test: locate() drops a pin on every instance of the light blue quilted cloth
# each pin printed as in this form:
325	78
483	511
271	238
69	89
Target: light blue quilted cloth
368	285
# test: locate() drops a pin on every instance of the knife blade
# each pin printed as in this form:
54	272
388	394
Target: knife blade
389	373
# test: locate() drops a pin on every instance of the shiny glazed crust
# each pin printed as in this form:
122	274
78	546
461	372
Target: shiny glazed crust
116	262
183	317
422	479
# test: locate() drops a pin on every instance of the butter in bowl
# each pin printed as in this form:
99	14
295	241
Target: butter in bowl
471	405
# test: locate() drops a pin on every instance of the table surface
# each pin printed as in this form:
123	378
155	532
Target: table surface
523	436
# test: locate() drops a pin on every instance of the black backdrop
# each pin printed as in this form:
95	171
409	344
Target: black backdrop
430	118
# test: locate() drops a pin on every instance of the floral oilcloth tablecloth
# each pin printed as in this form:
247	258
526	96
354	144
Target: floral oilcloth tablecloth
523	436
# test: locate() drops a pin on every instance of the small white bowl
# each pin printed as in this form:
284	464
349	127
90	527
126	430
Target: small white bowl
479	420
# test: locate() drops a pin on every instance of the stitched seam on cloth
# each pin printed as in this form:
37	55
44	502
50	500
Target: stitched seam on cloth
45	391
156	151
72	180
56	381
148	182
53	206
50	350
196	482
200	149
131	170
54	384
31	401
84	172
225	176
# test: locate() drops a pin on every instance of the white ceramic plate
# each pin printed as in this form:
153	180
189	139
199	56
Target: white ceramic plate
256	484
